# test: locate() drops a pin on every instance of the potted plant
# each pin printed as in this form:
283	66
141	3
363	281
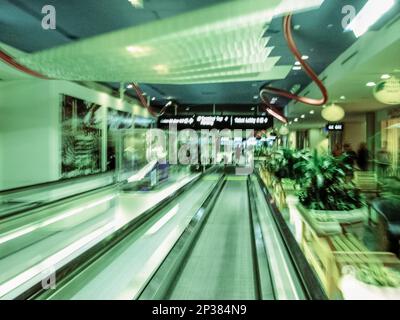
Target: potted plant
327	202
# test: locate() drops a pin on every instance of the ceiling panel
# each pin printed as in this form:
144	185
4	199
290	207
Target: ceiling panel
320	36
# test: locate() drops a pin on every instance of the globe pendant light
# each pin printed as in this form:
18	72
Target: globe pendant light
388	91
284	131
333	113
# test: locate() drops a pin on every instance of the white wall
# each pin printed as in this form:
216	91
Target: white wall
30	135
29	127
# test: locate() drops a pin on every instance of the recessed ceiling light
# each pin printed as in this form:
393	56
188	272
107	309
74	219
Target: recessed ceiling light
297	63
312	112
297	27
342	97
153	99
330	25
296	68
255	97
303	116
296	120
386	76
371	84
138	51
252	109
305	57
290	122
129	86
187	109
161	69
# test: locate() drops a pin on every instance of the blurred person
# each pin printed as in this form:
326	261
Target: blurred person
350	157
337	150
363	157
350	154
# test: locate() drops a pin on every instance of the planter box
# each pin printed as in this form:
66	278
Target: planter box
354	289
339	221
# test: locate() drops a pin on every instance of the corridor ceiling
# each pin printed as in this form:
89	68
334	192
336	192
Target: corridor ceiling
318	33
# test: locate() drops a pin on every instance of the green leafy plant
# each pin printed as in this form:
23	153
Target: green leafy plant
323	180
282	163
378	275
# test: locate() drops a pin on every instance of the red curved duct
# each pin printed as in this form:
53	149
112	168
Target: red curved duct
270	109
8	59
287	26
143	101
11	61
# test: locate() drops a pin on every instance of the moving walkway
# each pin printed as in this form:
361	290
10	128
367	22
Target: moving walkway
214	238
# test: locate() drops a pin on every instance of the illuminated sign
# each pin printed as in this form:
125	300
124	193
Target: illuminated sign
213	121
198	122
334	127
249	122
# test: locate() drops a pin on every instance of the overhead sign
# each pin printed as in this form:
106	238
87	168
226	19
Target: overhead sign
216	122
334	127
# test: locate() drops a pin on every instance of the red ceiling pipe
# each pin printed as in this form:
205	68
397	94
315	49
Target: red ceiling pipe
4	56
276	114
287	26
143	101
8	59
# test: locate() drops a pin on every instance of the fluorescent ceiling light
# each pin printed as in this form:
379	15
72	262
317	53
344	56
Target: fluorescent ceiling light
161	69
371	84
138	51
297	63
386	76
369	14
305	57
296	68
